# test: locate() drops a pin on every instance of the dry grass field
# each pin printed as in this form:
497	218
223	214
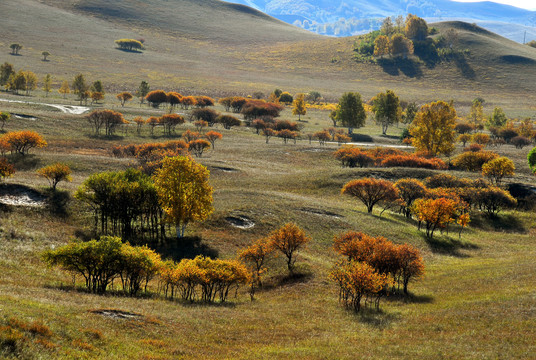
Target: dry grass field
476	300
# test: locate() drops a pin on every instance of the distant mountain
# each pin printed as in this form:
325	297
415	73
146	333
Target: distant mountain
352	17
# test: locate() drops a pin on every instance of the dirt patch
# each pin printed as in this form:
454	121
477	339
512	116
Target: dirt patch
117	314
18	195
240	221
320	212
224	169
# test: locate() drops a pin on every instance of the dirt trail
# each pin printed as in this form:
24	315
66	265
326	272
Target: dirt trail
68	109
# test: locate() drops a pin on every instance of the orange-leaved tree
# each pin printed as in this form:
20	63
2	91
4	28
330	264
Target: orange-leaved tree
22	141
371	191
255	255
55	173
124	97
355	280
289	239
410	190
435	213
6	169
198	146
183	191
212	136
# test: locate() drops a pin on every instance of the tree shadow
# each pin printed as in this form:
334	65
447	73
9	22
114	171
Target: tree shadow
442	244
394	67
185	248
410	298
133	51
464	67
24	162
361	138
58	202
375	318
504	223
426	51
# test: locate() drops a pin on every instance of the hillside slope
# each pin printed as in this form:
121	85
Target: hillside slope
343	18
238	50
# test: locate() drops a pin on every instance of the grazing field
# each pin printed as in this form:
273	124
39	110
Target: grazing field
475	301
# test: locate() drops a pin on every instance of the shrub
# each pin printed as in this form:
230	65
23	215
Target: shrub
498	168
520	142
286	98
288	240
255	255
474	148
56	173
464	128
6	169
446	181
254	109
410	190
413	161
322	137
228	121
481	139
494	199
352	157
203	101
531	158
473	161
215	278
370	191
156	97
22	141
355	280
435	213
208	115
287	135
508	134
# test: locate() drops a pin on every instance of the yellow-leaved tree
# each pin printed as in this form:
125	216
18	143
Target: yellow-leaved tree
433	128
299	106
183	191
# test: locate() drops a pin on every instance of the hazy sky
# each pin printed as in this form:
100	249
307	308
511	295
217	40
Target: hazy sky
526	4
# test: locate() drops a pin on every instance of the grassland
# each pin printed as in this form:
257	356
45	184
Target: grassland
229	50
475	302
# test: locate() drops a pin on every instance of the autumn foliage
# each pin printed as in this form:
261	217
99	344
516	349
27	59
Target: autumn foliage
203	278
56	173
288	240
6	169
22	141
370	191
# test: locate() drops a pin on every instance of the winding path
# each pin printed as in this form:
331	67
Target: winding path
68	109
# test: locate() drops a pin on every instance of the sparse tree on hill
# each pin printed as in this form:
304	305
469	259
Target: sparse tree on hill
382	46
130	44
22	141
96	96
80	87
476	115
45	55
350	111
299	106
212	136
498	168
64	89
30	82
386	108
124	97
6	70
433	128
416	28
17	82
142	91
371	191
288	240
56	173
401	46
4	117
15	48
498	118
183	191
387	27
47	84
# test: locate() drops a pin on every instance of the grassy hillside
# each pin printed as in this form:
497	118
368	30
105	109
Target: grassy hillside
476	300
234	49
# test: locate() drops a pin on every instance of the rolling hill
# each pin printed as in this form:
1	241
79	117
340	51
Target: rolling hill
348	17
218	48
